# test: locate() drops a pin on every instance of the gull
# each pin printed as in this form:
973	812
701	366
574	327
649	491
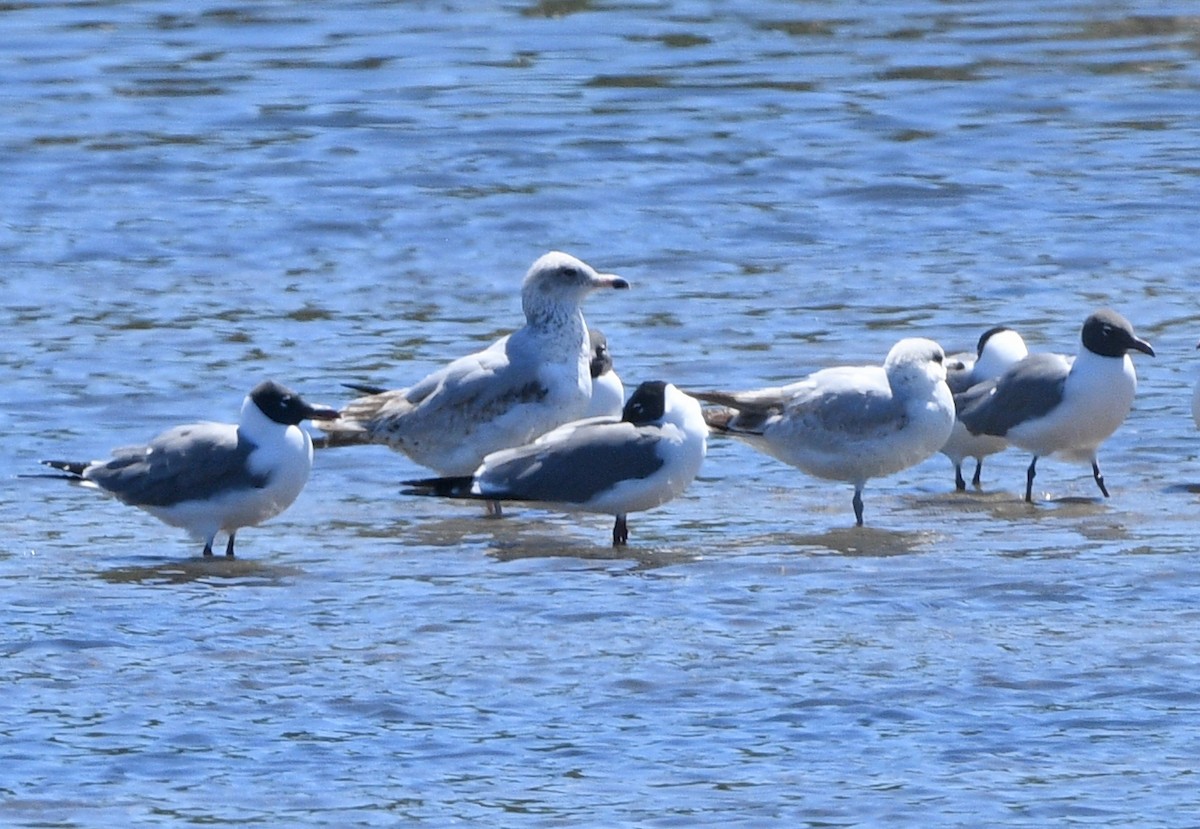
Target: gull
520	387
1050	404
214	477
602	464
848	423
608	393
998	348
1196	400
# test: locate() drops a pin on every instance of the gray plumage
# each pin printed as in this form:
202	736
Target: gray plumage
1030	389
607	456
842	406
209	477
187	463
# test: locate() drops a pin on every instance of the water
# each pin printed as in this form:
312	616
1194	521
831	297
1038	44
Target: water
200	195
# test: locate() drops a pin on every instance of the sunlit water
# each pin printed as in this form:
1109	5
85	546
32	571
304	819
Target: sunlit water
197	196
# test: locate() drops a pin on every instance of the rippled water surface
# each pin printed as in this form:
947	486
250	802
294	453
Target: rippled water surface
199	195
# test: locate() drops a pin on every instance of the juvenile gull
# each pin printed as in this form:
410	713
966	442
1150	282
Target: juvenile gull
849	423
998	348
602	464
1049	404
608	393
215	477
506	395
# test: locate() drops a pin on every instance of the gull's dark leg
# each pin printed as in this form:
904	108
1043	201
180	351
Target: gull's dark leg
1099	478
208	547
229	546
978	471
1029	476
959	483
620	531
857	501
494	510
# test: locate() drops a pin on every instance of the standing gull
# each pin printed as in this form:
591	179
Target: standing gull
215	477
601	464
608	393
1196	400
848	423
1048	403
998	349
506	395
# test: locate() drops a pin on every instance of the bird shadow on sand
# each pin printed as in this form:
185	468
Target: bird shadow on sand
520	535
217	571
867	542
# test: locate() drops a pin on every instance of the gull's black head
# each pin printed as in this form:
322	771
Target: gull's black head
284	406
1109	334
987	335
648	403
601	359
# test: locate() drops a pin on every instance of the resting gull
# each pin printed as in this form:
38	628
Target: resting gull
602	464
608	393
1048	404
215	477
848	423
998	348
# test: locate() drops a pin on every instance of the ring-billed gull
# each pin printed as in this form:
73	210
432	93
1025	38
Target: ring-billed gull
215	477
608	393
1049	404
602	464
849	423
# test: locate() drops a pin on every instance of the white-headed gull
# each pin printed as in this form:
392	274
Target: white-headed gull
506	395
608	393
849	423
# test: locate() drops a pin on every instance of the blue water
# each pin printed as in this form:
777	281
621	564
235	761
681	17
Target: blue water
196	196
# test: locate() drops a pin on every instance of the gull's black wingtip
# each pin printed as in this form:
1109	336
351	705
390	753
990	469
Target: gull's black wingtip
458	486
72	468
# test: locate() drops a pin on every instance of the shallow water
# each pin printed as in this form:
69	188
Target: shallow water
198	198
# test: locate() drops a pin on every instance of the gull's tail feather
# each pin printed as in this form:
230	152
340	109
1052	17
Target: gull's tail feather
730	421
455	486
340	433
354	424
365	388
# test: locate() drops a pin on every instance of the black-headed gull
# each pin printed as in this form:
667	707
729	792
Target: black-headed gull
215	477
998	349
1050	404
602	464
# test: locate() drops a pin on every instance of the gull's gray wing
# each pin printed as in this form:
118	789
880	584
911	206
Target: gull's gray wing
846	401
477	386
589	460
182	464
1027	391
